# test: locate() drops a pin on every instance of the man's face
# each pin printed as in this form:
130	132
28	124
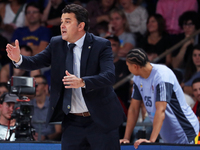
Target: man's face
69	27
188	28
7	109
33	15
196	57
117	21
115	46
41	87
196	91
3	90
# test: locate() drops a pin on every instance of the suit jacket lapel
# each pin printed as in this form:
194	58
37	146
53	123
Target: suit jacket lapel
87	46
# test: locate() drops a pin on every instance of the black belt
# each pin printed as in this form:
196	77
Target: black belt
83	114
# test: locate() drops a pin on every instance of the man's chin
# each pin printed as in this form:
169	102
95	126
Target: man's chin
64	37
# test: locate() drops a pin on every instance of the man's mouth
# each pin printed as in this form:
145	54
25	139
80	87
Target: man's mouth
64	32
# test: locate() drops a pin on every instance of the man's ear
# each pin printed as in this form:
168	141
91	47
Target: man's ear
81	26
136	66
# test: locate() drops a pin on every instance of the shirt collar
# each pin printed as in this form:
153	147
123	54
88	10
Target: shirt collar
79	43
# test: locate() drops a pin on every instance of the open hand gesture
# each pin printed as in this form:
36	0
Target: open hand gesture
13	52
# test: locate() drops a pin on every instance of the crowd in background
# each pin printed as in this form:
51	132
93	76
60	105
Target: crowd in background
154	25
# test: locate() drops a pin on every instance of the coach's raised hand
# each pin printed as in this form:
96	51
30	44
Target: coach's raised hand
13	52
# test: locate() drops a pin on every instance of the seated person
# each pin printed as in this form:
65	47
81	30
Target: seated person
189	22
7	103
119	27
121	71
196	93
99	15
34	34
40	103
156	40
8	70
136	16
192	70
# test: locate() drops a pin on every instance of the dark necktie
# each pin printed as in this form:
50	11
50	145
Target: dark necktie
69	67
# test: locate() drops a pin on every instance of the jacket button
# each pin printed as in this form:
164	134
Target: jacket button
68	106
52	108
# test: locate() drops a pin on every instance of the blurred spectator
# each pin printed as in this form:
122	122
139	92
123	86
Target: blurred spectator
192	70
196	93
179	77
121	71
171	11
42	3
3	88
99	15
7	127
136	16
33	35
156	40
189	22
13	16
8	70
51	15
41	104
119	26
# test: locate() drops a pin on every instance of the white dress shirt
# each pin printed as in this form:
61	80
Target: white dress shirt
77	103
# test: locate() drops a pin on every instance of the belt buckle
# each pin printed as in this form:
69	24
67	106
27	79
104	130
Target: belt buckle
84	115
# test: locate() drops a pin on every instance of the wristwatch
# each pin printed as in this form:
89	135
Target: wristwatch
84	83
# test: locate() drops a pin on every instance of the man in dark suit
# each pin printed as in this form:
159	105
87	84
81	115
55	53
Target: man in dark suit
82	96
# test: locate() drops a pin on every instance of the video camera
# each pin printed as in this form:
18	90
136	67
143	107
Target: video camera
23	110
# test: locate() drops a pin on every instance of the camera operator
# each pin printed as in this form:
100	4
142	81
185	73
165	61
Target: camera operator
7	103
41	104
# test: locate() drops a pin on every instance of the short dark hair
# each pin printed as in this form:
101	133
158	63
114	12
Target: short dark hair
189	15
113	37
161	23
137	56
80	13
43	77
27	48
34	4
195	80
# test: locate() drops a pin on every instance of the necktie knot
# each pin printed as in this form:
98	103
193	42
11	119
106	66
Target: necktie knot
71	46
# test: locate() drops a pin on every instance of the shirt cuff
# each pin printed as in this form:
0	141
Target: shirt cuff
19	62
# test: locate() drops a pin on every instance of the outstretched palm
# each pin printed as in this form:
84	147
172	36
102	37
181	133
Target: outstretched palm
13	52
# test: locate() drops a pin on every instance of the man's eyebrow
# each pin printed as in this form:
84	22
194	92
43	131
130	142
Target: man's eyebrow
66	19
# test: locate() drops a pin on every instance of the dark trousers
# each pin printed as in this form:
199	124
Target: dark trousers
81	133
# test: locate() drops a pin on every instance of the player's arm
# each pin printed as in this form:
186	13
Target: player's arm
133	113
157	123
158	119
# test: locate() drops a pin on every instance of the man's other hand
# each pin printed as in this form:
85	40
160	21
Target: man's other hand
71	81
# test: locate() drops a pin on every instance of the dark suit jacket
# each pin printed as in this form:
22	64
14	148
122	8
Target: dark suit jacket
97	70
